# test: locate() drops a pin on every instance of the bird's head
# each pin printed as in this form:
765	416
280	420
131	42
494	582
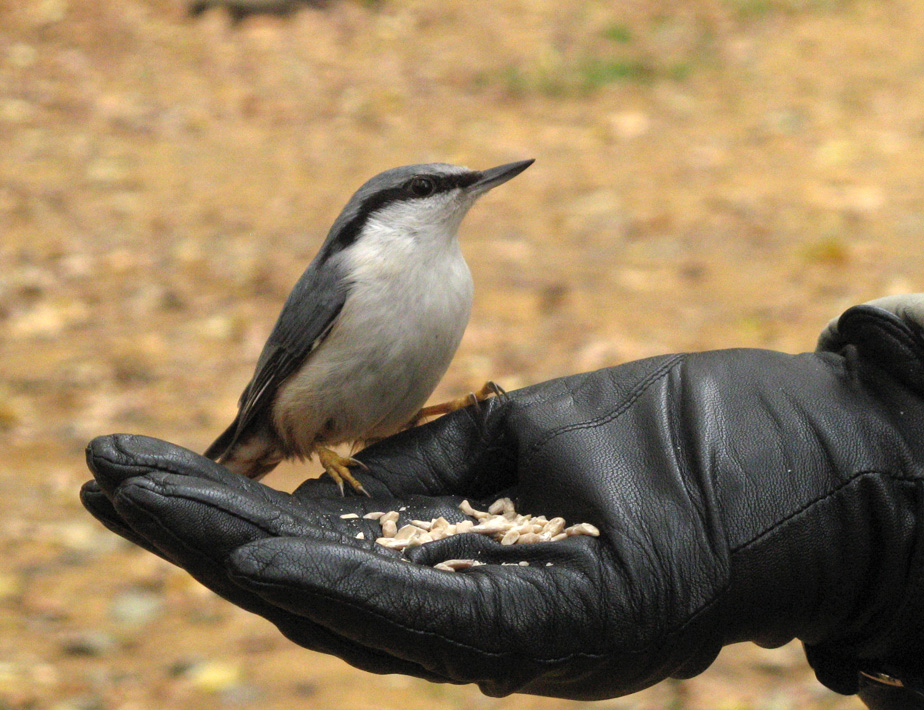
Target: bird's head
417	202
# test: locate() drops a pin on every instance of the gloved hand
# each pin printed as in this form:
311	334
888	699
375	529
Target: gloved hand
889	332
741	495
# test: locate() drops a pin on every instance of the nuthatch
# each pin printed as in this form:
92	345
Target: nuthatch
370	327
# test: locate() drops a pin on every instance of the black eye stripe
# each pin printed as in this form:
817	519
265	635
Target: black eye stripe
450	182
375	202
466	179
445	183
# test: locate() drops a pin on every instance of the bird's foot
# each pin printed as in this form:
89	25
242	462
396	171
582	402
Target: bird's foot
488	389
338	468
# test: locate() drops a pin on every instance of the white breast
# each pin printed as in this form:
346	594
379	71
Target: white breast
408	306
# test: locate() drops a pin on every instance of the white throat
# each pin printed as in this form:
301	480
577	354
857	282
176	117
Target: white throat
409	241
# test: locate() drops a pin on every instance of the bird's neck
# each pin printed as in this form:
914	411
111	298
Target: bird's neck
406	271
407	246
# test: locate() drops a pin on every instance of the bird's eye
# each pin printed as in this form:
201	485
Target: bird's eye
422	186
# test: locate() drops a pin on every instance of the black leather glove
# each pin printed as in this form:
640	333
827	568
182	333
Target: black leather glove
741	495
887	331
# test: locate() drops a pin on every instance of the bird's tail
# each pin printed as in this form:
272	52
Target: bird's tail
223	443
253	456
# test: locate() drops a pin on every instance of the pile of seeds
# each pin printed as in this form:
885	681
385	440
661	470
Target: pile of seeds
501	522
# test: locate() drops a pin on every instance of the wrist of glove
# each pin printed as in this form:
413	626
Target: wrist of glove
741	495
887	333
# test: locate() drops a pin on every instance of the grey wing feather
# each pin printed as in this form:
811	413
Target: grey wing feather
307	317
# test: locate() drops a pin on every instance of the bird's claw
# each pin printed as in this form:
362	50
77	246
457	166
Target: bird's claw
493	388
337	467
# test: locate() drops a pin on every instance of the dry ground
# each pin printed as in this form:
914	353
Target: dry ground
709	174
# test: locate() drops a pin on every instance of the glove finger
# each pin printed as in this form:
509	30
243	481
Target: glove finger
463	453
120	463
908	306
117	457
139	501
206	517
489	622
101	508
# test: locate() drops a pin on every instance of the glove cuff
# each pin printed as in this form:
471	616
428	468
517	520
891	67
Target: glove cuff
893	341
847	676
838	672
893	658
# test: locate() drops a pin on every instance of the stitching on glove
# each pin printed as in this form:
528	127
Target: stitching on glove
706	606
162	464
636	393
812	503
140	462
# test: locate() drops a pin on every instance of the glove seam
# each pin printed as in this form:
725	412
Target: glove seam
633	396
694	615
149	464
815	501
160	464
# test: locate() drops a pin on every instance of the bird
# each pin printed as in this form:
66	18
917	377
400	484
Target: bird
369	329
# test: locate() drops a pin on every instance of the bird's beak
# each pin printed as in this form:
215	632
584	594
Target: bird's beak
497	176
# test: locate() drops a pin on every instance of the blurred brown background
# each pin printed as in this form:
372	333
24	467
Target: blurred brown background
710	173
